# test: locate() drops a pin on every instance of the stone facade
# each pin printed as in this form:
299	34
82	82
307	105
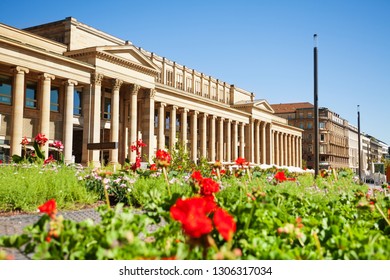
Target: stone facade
80	85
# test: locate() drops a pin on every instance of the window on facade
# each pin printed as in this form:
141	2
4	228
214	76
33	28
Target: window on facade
309	125
189	84
322	125
31	95
5	90
213	92
179	81
77	102
301	125
206	90
301	115
107	108
309	115
322	137
197	87
55	99
169	76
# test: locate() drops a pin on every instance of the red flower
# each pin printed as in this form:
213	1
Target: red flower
208	186
224	223
40	139
57	144
153	167
49	207
136	164
1	161
163	158
192	213
50	159
140	143
281	177
197	176
241	161
24	141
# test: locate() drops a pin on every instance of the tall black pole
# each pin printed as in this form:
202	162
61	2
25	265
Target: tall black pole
316	145
359	151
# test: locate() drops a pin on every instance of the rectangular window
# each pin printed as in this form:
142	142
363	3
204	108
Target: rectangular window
77	102
107	108
179	81
54	99
197	87
5	90
322	125
322	137
189	84
31	95
301	115
309	125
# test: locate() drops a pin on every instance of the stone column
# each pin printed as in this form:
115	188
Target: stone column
44	120
281	148
212	138
220	142
148	124
293	150
68	120
242	140
114	126
96	81
300	152
277	149
289	137
161	126
229	141
257	142
235	141
184	128
86	107
133	119
264	143
172	128
251	140
203	136
194	136
17	109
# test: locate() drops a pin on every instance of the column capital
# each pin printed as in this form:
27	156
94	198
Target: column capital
151	93
162	104
182	110
205	115
193	113
70	82
46	76
213	117
173	107
20	70
97	78
116	84
134	88
221	119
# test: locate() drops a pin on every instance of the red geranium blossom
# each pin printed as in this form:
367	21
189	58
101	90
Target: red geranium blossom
192	213
57	144
153	167
281	177
208	186
197	176
50	159
163	158
224	223
49	207
24	141
40	139
241	161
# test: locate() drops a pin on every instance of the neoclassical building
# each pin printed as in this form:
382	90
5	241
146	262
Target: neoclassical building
80	85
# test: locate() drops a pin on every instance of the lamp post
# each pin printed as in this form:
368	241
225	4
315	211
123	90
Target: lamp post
316	148
359	159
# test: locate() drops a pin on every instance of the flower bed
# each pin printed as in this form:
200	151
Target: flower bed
209	214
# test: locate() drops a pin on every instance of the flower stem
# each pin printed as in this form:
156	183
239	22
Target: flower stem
381	212
107	199
166	179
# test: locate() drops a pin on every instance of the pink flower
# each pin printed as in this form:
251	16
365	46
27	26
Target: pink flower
58	145
24	141
40	139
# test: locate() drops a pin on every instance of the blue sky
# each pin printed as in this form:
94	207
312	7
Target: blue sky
263	46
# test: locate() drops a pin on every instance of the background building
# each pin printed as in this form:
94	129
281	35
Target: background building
80	85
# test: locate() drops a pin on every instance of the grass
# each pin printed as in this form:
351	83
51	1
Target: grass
24	187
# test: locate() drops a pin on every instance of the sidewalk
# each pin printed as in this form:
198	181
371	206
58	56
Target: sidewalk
15	224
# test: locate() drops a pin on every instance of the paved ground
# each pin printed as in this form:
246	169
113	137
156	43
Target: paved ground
15	224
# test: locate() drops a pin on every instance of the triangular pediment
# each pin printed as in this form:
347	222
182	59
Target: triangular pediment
130	53
263	105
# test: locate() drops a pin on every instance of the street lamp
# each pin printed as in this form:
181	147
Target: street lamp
316	144
359	159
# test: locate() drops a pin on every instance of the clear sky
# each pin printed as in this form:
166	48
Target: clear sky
263	46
